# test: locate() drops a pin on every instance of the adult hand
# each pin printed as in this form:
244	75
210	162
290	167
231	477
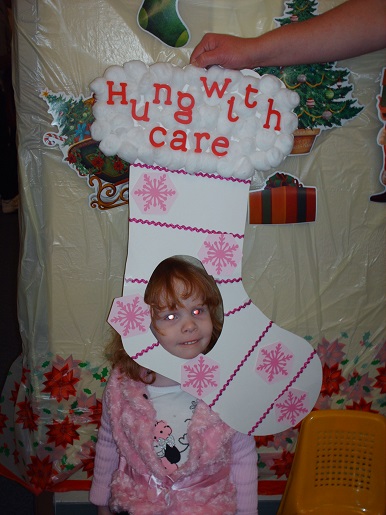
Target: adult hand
227	51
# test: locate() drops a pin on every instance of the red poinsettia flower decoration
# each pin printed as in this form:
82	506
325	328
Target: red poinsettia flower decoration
282	466
26	416
40	473
88	463
72	158
332	378
381	354
62	433
362	405
357	386
381	379
98	162
96	413
330	352
262	441
3	420
25	372
60	383
118	165
14	393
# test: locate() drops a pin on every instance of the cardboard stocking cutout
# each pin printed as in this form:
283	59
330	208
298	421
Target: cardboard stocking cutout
260	378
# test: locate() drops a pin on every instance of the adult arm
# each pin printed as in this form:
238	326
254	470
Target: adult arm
106	463
353	28
244	473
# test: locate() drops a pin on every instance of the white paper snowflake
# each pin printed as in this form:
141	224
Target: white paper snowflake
274	362
154	193
220	254
293	407
130	315
200	376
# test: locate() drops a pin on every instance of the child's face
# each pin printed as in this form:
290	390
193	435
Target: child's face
185	331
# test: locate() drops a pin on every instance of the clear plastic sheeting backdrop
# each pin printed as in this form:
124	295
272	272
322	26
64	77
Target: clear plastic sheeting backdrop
323	280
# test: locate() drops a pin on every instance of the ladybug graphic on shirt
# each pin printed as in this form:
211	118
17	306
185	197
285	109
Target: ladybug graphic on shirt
164	445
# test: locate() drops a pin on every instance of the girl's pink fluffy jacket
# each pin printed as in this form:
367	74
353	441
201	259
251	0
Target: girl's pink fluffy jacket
144	485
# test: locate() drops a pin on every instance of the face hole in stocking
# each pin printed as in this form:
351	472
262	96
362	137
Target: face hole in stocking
186	306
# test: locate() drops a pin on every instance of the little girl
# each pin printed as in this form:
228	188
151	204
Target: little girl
160	451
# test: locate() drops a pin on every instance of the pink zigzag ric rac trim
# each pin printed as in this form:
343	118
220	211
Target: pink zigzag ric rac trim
182	227
235	310
142	352
242	362
227	281
135	280
199	174
305	365
218	281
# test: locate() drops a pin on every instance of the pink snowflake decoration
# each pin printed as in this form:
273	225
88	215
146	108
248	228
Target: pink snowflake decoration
293	407
154	193
130	316
274	362
220	254
200	376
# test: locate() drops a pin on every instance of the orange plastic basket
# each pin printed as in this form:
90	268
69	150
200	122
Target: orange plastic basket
339	466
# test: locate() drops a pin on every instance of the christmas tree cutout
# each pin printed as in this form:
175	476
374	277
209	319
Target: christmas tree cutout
108	176
162	19
325	93
73	117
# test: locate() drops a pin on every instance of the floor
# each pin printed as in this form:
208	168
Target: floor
14	499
